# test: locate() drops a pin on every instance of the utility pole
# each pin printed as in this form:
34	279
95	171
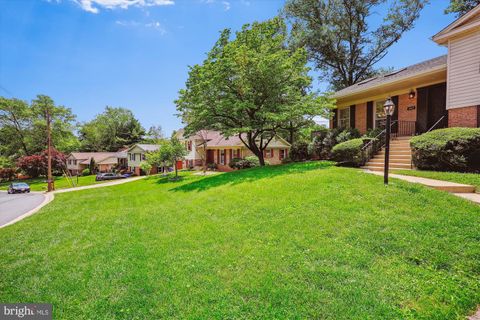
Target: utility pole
50	185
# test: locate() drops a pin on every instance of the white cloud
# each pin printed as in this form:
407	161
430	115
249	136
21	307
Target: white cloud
131	23
226	5
94	6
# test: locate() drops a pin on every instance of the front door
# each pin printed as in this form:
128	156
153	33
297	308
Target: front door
431	106
210	156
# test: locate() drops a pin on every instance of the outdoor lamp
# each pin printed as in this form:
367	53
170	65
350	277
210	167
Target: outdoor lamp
411	95
389	107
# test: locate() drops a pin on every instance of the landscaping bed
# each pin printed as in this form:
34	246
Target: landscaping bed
304	240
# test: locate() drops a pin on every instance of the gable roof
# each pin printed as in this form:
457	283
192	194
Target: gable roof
85	157
421	68
465	23
216	139
145	147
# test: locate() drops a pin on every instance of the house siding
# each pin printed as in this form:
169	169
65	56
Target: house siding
463	72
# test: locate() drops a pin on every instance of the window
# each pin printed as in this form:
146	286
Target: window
143	156
222	156
189	146
379	114
75	162
238	154
344	118
281	154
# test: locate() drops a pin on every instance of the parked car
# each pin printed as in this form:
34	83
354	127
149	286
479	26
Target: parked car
18	187
127	174
108	176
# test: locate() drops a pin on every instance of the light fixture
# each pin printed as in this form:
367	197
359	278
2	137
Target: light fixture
389	107
411	95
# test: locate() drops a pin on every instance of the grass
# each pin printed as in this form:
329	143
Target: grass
40	184
283	242
465	178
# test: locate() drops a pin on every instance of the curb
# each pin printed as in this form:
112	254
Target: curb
48	198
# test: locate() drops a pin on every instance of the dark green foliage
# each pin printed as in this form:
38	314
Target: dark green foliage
324	141
248	162
349	153
344	39
299	151
372	133
460	7
451	149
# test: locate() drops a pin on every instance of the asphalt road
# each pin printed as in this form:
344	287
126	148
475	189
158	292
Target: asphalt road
15	205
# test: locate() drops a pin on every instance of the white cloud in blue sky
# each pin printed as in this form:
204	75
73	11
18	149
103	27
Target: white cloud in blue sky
94	6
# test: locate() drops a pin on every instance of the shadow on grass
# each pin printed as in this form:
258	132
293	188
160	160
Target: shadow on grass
249	175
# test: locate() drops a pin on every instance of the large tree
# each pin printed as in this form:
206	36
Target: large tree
249	86
111	130
23	126
460	7
340	40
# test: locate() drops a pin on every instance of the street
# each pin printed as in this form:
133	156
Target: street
14	205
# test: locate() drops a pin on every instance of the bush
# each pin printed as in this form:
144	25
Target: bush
86	172
324	141
36	165
7	174
248	162
452	149
212	166
300	151
146	167
349	153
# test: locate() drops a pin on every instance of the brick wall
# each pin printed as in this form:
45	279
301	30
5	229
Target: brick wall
403	103
361	117
464	117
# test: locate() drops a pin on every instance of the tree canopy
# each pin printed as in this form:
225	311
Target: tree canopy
460	7
111	130
339	39
250	86
23	126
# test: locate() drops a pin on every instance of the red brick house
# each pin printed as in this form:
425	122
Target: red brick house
441	92
212	147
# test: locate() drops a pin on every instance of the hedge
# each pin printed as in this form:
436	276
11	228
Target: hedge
452	149
349	153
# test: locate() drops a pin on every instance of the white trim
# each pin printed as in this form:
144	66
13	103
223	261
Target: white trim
444	32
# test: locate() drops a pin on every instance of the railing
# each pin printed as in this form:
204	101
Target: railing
373	146
404	128
439	121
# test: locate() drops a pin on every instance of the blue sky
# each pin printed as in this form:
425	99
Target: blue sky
86	55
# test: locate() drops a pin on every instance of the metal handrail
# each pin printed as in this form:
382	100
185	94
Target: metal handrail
436	123
370	148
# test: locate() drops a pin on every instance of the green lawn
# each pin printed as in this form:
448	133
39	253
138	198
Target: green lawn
465	178
283	242
39	184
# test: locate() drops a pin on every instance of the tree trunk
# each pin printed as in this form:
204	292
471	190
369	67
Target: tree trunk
261	159
176	170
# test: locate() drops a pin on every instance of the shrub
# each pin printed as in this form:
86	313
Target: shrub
36	165
299	151
349	153
324	141
453	149
86	172
146	167
372	133
7	174
248	162
212	166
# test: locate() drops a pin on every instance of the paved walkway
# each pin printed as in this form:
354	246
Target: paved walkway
460	190
100	185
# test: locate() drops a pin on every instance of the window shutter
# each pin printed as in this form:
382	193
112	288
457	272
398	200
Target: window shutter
395	112
352	116
218	156
335	119
369	115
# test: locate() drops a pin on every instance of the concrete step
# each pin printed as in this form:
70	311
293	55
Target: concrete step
400	149
392	165
372	167
394	157
396	153
382	161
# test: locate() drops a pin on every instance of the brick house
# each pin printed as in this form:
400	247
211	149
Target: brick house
214	148
104	161
441	92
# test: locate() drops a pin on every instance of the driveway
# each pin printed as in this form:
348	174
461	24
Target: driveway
13	206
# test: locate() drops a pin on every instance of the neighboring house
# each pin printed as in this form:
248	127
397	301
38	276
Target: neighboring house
104	161
441	92
214	148
136	154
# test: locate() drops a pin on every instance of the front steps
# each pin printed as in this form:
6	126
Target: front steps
400	156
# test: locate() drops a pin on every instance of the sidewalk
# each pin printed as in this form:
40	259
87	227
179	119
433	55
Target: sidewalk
464	191
100	185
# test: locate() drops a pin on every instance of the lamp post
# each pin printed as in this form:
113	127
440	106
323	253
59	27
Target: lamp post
389	108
